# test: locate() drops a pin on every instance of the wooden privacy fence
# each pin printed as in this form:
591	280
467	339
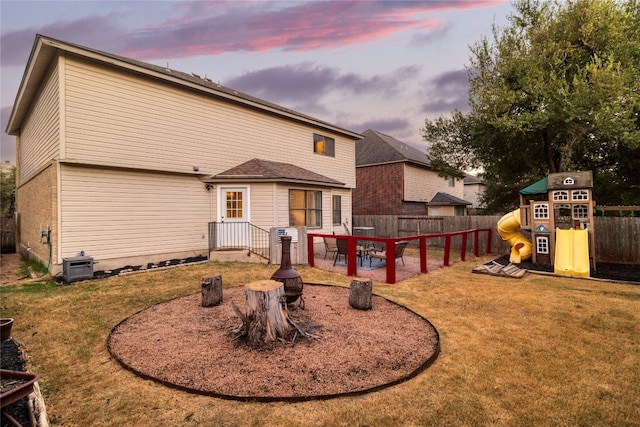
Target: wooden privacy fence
617	239
402	226
421	240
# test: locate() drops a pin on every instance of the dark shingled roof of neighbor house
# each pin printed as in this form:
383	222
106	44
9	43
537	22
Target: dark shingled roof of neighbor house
266	170
379	148
447	199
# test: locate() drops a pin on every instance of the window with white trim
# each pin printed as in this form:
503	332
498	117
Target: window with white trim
579	195
542	244
541	211
580	211
305	208
560	196
568	181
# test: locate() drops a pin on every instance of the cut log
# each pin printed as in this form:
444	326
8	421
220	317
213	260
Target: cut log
360	294
266	319
266	309
211	291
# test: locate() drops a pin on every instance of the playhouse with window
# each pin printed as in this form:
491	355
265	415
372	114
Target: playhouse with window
558	212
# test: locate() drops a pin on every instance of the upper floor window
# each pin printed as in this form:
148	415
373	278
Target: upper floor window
568	181
560	195
541	211
305	208
452	182
580	195
324	145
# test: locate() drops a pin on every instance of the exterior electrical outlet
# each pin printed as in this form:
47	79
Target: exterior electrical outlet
77	268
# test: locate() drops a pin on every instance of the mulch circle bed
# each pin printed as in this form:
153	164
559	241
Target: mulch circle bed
181	344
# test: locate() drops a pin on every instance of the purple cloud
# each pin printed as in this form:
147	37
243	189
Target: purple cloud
97	31
390	126
212	28
447	92
306	80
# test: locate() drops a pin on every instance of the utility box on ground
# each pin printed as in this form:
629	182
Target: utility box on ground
77	268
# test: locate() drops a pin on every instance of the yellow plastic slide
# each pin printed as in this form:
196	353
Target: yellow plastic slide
508	229
572	252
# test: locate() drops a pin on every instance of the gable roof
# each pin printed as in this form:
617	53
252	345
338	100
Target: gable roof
441	199
45	50
560	180
268	171
578	179
378	148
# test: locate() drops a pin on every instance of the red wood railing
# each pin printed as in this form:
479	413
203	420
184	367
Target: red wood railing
390	244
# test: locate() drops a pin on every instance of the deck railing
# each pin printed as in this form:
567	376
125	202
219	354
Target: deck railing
390	244
239	235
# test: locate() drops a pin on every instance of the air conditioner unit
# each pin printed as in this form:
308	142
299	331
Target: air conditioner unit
77	268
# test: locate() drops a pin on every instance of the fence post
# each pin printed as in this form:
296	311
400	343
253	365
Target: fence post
463	246
352	259
447	249
310	248
423	255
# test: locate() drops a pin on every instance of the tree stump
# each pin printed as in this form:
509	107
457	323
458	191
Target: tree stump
267	318
360	294
211	291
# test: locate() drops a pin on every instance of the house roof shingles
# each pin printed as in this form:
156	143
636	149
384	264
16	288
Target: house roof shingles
266	170
441	199
377	148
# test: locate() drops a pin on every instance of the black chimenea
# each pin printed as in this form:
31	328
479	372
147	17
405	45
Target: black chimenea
288	275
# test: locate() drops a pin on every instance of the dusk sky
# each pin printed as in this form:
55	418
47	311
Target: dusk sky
383	65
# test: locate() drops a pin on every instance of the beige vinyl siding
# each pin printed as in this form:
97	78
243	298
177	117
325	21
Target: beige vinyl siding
115	214
263	212
421	184
40	135
122	119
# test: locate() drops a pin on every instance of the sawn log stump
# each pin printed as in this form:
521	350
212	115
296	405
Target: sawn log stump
211	291
360	294
266	319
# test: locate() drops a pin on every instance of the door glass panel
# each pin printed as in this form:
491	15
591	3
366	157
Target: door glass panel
234	204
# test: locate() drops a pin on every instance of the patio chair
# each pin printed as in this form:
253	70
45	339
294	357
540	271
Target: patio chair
382	255
342	250
330	246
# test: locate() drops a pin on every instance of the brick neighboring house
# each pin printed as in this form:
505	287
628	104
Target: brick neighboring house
393	178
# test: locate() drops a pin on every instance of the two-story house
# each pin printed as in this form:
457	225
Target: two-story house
394	178
474	189
129	161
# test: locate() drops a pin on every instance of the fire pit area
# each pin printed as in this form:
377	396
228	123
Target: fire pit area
355	352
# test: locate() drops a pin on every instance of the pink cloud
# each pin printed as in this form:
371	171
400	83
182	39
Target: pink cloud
205	28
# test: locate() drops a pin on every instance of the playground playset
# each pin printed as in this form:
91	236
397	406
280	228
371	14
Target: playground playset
557	212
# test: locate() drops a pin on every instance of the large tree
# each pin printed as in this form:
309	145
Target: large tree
7	191
557	89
